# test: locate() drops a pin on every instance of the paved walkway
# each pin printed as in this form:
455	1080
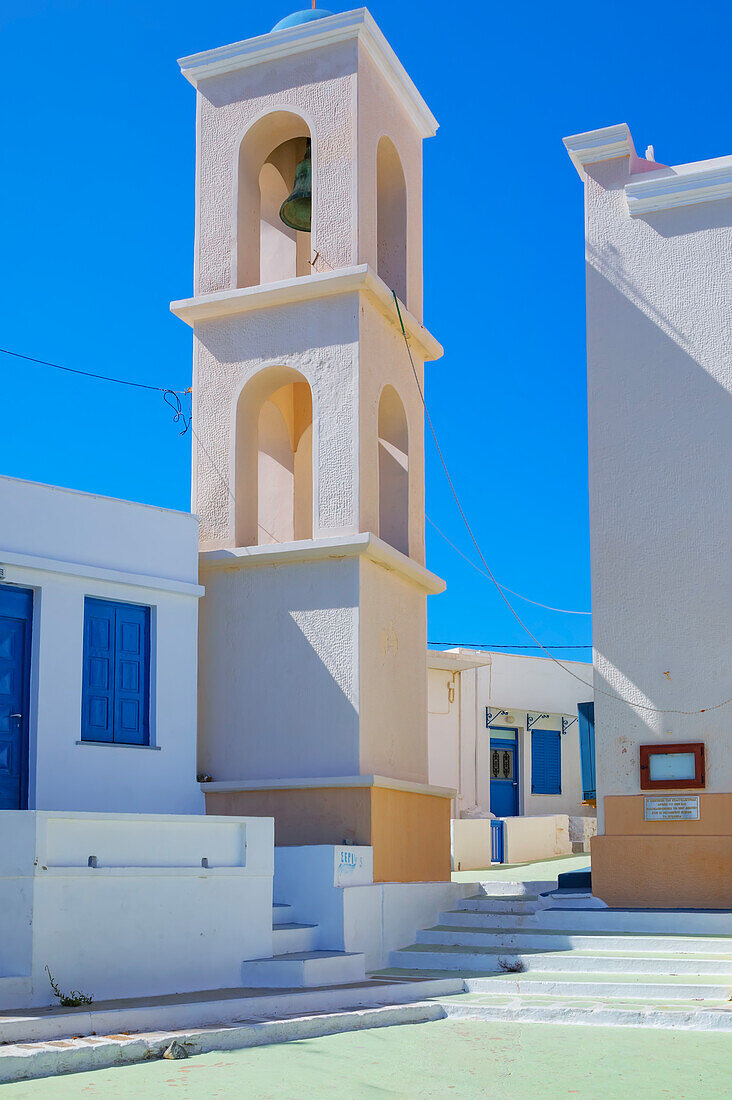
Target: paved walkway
464	1059
536	871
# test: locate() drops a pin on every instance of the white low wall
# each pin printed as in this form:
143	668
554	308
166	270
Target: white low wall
527	838
147	919
352	912
524	839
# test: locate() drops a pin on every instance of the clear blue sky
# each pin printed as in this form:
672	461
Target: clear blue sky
96	213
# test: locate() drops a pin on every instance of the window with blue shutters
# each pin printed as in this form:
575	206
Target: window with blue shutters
586	716
546	762
116	675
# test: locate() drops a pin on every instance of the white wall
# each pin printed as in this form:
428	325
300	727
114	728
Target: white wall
107	930
659	302
374	918
65	546
459	743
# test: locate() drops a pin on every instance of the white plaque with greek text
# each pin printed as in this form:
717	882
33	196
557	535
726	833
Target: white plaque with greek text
670	807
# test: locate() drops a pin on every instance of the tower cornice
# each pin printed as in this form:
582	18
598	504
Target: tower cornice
358	24
348	280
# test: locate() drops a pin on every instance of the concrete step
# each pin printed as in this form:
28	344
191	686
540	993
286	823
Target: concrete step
522	936
576	960
462	957
519	905
673	922
287	938
516	889
299	969
683	1015
477	915
685	987
282	914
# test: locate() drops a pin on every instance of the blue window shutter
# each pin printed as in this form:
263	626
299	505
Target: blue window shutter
546	762
131	674
97	710
586	717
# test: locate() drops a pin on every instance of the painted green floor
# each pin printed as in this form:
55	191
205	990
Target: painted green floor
542	871
464	1059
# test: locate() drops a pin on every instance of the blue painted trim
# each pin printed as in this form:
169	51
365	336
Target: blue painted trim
513	745
497	834
116	694
18	603
120	745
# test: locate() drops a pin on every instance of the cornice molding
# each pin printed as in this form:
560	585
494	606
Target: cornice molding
338	546
226	786
306	288
358	24
685	186
598	145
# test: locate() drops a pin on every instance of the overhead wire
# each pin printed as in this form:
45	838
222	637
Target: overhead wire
505	588
491	577
170	396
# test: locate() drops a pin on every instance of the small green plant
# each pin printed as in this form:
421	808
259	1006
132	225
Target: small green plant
73	999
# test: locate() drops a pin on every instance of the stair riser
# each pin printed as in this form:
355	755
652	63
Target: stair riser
483	914
303	973
655	991
483	964
282	914
516	889
639	922
505	937
706	1020
285	940
517	906
507	911
584	963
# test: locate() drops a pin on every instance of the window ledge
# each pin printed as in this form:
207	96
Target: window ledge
119	745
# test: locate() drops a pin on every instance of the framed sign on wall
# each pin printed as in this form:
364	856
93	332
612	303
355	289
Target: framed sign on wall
671	767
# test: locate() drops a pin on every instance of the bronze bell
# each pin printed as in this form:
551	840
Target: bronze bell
296	210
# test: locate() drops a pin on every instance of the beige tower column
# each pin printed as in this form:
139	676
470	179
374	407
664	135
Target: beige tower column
308	448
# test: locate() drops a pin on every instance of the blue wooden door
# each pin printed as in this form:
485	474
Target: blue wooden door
504	774
16	608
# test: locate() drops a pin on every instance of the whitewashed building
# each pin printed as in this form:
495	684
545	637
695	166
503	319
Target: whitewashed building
102	831
658	244
504	730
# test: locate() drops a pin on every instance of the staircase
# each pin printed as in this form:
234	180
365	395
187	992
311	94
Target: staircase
296	963
530	955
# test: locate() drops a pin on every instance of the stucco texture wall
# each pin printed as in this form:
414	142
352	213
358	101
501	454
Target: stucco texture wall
319	86
393	689
278	672
659	315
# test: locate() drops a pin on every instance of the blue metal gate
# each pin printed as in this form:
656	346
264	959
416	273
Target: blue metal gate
496	842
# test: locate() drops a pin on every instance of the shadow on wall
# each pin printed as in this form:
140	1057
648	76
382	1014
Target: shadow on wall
661	421
278	686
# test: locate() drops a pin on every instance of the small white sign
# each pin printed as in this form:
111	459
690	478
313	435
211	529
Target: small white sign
353	865
669	807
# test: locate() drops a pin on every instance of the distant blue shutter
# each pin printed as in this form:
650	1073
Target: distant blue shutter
131	674
586	716
546	762
97	711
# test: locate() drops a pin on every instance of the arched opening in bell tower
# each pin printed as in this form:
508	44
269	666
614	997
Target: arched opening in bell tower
274	459
391	219
272	165
393	471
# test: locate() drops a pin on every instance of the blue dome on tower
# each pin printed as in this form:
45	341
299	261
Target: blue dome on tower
299	17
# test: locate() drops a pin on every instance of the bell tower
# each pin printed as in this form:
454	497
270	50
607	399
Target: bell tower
308	440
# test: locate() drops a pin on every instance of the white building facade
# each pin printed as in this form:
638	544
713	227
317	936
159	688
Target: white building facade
504	731
98	653
658	242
